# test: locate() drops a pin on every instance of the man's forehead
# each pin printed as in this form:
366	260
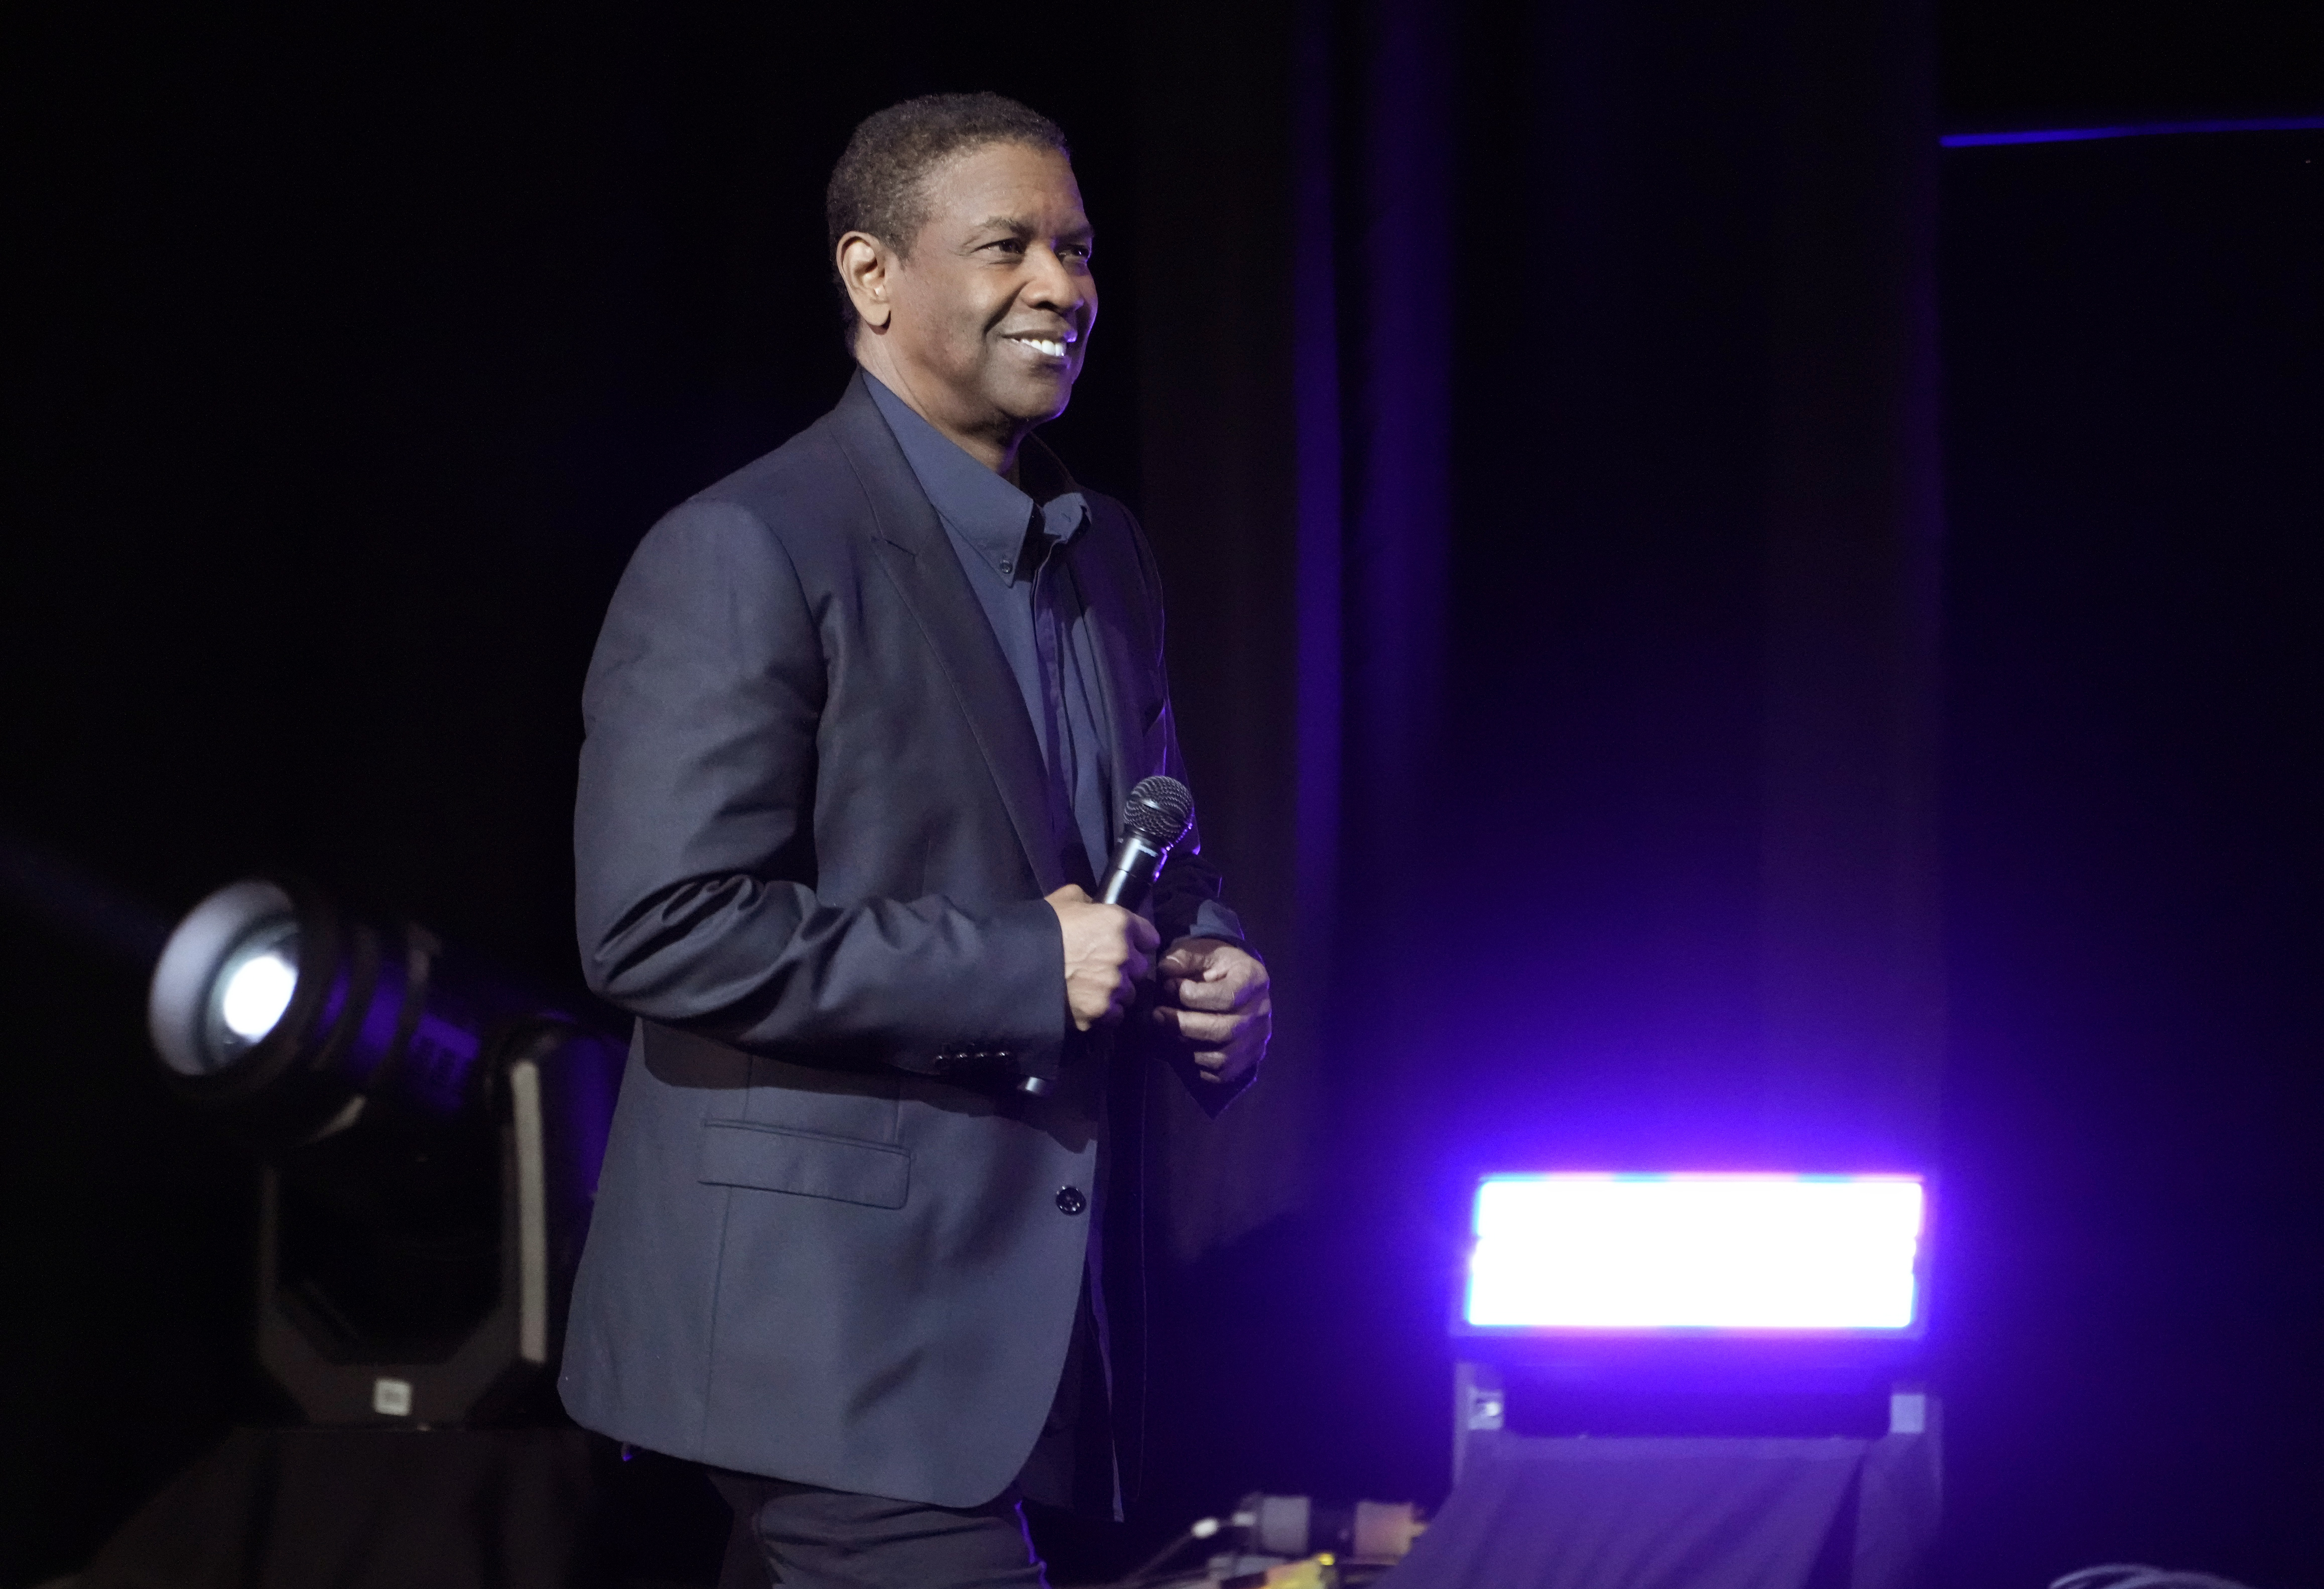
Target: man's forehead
1008	185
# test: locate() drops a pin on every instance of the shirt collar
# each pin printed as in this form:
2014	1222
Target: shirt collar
982	509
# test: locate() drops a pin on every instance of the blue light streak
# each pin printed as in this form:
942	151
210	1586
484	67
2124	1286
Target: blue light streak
2284	124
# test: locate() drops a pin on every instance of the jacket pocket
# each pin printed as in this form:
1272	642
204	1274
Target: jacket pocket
770	1158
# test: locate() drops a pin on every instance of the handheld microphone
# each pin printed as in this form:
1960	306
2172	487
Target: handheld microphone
1154	820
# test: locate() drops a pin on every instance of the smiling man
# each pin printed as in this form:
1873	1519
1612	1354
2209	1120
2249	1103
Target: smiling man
858	728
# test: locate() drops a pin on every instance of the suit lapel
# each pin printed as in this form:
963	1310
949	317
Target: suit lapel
912	546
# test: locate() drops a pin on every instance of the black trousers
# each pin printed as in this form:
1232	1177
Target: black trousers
803	1537
799	1536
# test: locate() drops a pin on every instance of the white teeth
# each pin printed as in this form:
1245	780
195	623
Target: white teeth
1042	345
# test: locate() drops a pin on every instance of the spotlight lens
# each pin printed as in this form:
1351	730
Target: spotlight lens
226	978
250	992
256	994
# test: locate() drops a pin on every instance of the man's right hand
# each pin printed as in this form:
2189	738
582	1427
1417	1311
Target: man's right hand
1107	950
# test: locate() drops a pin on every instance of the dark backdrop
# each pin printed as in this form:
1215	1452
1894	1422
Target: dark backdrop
1534	412
1622	340
1654	875
2135	358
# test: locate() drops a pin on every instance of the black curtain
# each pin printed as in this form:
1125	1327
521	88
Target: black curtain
1625	340
2135	373
1585	457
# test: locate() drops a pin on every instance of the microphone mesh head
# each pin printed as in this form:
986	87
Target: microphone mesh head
1159	810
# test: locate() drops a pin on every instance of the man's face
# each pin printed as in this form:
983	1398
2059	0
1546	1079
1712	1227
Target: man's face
992	308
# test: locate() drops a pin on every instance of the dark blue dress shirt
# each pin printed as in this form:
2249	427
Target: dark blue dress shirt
1005	537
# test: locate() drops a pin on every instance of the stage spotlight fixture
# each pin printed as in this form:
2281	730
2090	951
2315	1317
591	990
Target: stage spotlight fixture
1693	1303
286	1018
431	1135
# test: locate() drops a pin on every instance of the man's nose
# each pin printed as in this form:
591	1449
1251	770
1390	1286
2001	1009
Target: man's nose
1056	285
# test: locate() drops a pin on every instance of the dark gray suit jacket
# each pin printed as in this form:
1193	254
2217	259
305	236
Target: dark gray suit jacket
832	1243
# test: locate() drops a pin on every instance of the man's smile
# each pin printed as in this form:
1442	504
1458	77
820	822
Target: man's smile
1048	347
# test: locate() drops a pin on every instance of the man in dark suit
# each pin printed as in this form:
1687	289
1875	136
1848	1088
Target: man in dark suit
860	722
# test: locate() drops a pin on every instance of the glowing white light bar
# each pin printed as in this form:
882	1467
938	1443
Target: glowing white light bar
1769	1252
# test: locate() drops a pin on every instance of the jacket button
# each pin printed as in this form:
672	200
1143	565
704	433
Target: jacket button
1070	1200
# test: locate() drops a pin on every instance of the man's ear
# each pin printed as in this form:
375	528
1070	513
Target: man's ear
865	266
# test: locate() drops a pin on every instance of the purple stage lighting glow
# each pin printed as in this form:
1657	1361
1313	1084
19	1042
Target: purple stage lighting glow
1714	1253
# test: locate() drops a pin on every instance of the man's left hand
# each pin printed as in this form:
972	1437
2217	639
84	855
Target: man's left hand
1215	999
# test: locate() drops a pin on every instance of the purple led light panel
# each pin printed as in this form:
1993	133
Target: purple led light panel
1760	1252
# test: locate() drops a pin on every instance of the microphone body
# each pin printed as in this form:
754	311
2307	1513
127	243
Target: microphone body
1157	814
1135	859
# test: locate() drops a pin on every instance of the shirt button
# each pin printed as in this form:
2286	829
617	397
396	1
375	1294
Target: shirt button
1008	567
1070	1200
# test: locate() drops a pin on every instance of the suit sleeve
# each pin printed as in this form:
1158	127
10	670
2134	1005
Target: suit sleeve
693	834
